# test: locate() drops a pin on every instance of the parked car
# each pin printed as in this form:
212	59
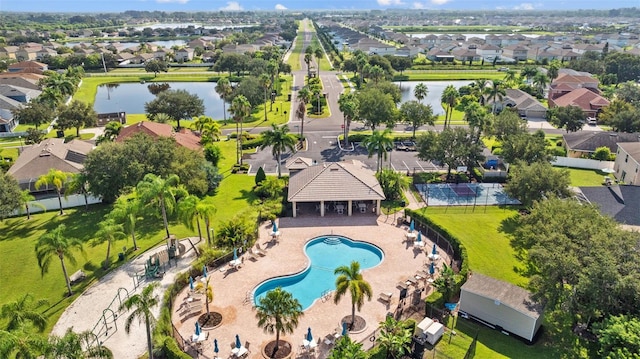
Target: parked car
592	121
407	146
503	69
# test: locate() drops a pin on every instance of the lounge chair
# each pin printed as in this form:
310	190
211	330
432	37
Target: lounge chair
257	252
386	297
260	250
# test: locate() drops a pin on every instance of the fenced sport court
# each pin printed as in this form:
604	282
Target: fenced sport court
464	194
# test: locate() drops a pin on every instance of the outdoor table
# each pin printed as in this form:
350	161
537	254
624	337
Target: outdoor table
199	338
309	344
238	352
411	235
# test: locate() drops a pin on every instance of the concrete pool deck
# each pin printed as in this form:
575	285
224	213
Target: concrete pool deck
230	288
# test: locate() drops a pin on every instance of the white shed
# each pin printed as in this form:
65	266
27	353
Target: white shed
431	331
500	305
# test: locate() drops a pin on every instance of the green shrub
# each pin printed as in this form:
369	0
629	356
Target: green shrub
252	143
557	151
357	137
435	299
260	176
171	350
497	151
213	154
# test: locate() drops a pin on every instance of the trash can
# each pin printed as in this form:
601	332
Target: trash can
403	203
400	221
172	252
120	256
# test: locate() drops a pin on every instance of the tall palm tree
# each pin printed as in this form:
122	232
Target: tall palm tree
50	96
157	191
208	293
304	97
529	72
241	109
27	200
55	178
224	90
318	54
350	280
206	211
350	108
421	91
394	338
55	244
280	140
496	92
109	231
378	143
511	77
22	344
78	184
65	85
142	304
188	213
127	210
540	81
307	60
265	82
449	98
24	310
278	311
476	116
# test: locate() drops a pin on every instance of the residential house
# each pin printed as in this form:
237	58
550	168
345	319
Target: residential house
526	105
622	203
465	54
408	51
8	52
20	94
142	58
45	52
184	54
516	52
439	55
21	79
28	66
162	54
569	80
585	143
489	52
627	165
7	106
27	53
52	153
183	138
239	49
590	102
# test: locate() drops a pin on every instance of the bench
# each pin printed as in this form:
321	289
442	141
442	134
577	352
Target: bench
191	308
77	276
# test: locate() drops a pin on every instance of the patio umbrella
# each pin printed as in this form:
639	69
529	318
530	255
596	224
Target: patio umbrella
191	283
344	329
309	336
238	343
432	268
215	346
434	251
412	226
235	254
204	271
197	328
275	227
419	239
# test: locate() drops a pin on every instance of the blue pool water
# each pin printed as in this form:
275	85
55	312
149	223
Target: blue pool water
325	255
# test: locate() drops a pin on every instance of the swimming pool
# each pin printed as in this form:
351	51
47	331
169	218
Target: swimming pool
325	254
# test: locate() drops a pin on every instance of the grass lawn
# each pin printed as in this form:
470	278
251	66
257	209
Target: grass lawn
489	250
585	178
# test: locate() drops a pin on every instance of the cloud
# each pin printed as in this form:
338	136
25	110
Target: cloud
418	5
172	1
280	7
390	2
232	6
524	6
439	2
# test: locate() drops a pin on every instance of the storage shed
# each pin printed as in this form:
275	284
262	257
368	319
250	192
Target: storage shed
500	305
431	331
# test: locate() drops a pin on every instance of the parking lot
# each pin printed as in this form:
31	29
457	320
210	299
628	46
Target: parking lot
323	147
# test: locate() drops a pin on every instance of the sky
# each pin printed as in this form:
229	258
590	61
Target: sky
217	5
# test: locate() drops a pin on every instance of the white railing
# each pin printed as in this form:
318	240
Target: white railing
585	163
51	204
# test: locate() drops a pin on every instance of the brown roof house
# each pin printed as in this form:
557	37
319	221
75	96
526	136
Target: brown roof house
343	185
36	160
500	305
590	102
28	66
584	143
183	138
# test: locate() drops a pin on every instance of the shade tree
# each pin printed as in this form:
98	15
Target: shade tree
537	181
177	104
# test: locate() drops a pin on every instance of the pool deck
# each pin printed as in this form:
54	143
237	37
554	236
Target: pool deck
286	257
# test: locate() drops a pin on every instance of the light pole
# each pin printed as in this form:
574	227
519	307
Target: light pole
21	144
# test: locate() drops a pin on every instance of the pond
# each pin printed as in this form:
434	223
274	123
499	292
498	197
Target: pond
128	44
131	97
435	92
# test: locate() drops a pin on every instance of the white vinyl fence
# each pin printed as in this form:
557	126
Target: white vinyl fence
51	204
585	163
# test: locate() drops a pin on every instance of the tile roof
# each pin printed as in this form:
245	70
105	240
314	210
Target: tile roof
506	293
334	181
589	141
36	160
583	98
622	203
298	163
154	129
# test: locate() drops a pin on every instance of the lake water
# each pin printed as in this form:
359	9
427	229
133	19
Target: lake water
184	25
479	35
131	97
128	44
435	92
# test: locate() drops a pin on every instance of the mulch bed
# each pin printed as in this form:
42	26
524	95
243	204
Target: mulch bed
210	320
284	349
358	325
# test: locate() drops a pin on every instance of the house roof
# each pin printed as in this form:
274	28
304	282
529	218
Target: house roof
504	293
12	91
523	100
154	129
584	98
334	181
622	203
36	160
28	64
298	163
589	141
8	103
631	148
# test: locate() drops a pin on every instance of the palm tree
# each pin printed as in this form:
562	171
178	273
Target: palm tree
224	90
350	280
376	73
109	232
155	190
127	211
54	243
76	346
24	310
240	108
188	213
529	72
345	348
208	293
280	140
265	82
200	122
55	178
540	81
420	92
394	338
350	107
446	282
278	311
476	116
318	54
304	97
28	200
378	143
496	92
307	60
21	344
510	77
142	304
210	132
449	98
65	85
50	96
206	211
78	184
